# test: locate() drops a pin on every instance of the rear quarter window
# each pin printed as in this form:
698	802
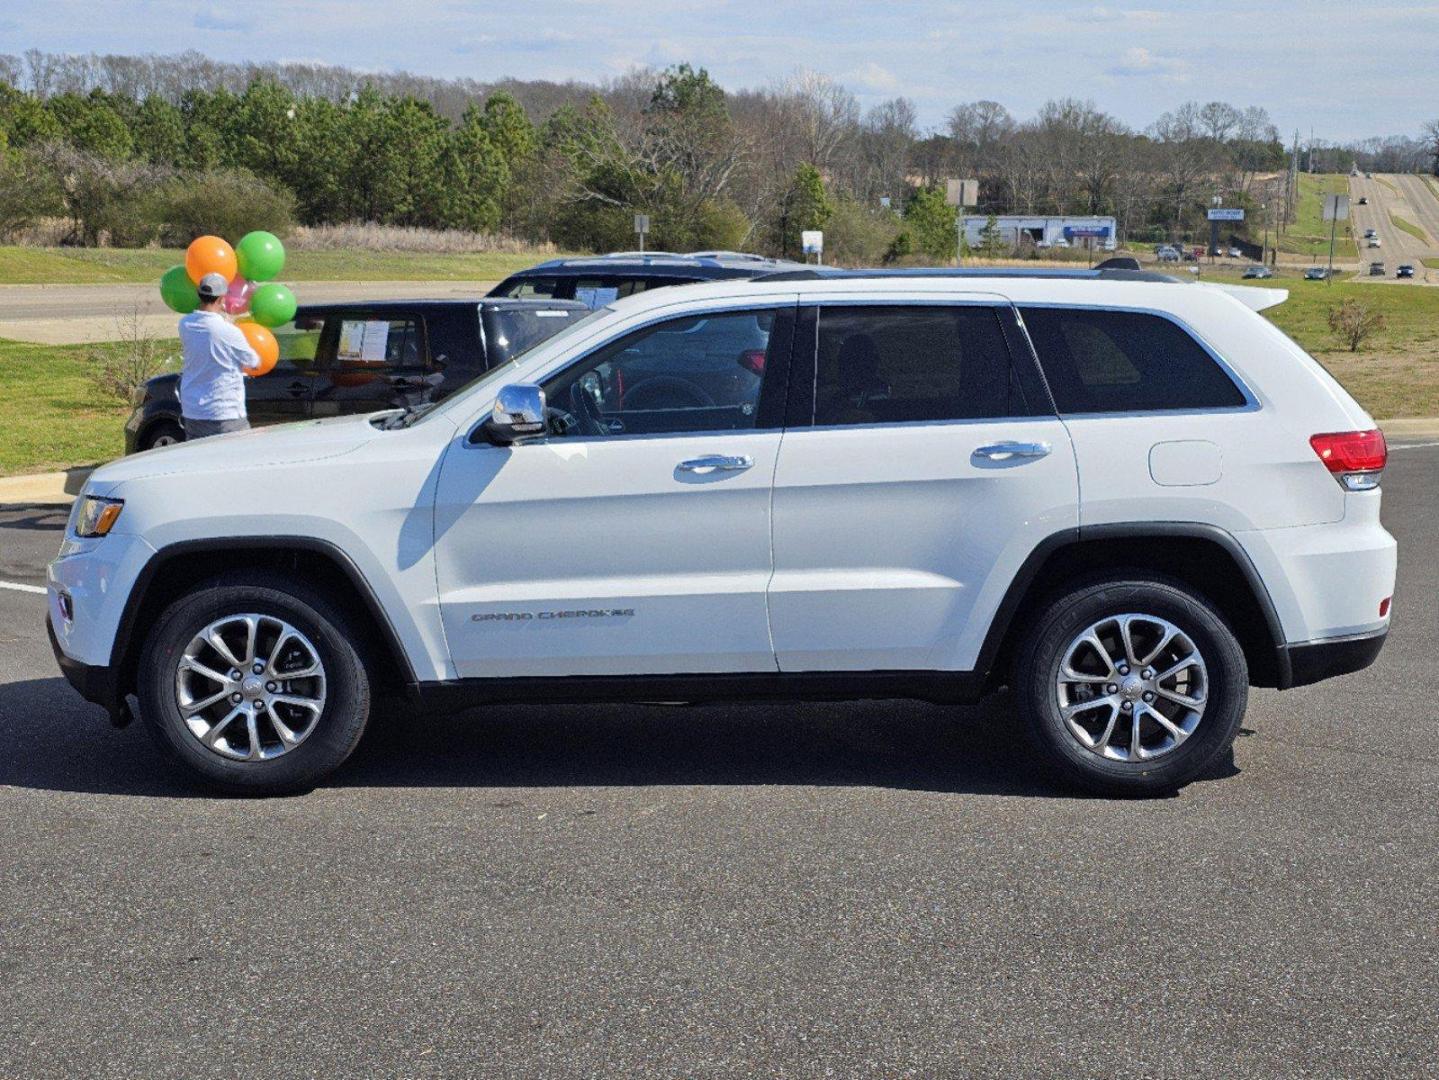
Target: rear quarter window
1125	361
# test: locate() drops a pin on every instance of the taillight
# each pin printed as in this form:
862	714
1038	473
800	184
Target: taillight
1356	458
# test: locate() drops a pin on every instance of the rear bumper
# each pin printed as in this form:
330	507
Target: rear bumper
1314	661
92	682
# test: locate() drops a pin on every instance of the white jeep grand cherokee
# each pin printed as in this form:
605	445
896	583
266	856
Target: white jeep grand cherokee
1126	498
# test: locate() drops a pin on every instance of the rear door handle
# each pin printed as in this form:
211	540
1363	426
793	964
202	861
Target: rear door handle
1004	451
717	463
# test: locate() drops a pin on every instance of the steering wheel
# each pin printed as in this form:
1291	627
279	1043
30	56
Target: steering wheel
667	392
585	410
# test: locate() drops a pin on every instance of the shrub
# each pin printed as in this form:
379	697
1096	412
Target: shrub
105	200
1353	321
28	193
855	235
226	203
117	368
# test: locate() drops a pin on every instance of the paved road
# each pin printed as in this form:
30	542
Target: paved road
845	890
1414	202
70	314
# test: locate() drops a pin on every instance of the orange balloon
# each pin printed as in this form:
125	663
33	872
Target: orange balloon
264	343
210	255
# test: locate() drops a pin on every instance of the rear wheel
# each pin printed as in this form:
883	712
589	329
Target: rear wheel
251	682
162	433
1132	686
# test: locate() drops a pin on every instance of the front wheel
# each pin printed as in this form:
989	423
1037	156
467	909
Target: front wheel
252	683
1132	686
162	433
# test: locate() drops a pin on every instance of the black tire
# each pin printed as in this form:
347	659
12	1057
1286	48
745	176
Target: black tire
161	431
1066	617
346	709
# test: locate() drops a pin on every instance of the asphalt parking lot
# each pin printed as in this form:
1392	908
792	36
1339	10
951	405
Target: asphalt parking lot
873	889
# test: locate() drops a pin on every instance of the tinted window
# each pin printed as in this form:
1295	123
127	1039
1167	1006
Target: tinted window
888	365
1124	361
299	342
530	288
510	332
373	343
701	373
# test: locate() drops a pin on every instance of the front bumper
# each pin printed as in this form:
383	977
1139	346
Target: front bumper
1314	661
93	682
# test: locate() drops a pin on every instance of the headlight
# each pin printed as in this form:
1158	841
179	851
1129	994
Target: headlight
97	516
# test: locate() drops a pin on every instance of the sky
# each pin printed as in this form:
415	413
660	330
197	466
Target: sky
1346	69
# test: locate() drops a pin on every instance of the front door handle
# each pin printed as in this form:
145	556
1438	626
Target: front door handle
1006	451
717	463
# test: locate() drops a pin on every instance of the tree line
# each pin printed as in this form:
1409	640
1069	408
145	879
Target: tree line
131	150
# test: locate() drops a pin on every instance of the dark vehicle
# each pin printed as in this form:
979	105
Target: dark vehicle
365	357
1405	270
1259	272
1363	200
600	279
1376	269
1316	273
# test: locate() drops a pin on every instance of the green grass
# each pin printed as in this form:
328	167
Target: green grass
1309	235
1396	372
81	266
51	415
1409	227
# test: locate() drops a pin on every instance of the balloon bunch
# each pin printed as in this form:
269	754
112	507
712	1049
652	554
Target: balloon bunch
249	267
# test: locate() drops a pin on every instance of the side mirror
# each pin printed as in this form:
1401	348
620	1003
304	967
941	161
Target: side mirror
519	414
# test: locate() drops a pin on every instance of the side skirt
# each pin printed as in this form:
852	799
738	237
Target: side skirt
937	687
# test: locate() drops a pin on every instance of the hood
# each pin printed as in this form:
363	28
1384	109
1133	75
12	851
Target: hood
308	440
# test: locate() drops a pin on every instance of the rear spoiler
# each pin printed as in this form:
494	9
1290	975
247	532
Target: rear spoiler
1253	297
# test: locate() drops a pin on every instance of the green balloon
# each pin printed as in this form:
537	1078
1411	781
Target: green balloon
272	305
261	256
178	291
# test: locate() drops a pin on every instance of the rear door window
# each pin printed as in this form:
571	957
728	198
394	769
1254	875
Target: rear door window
1125	361
910	363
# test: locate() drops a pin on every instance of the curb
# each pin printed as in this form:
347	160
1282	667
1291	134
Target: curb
60	488
44	489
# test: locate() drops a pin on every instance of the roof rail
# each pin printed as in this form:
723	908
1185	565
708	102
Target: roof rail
815	273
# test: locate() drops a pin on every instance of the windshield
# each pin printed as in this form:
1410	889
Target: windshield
498	376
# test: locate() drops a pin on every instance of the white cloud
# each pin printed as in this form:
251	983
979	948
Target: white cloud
873	77
1138	62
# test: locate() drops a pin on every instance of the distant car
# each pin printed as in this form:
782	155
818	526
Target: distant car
1376	269
597	280
1235	253
1316	273
1368	233
1363	200
1060	242
1193	254
1165	253
1405	270
1259	272
1369	176
1374	242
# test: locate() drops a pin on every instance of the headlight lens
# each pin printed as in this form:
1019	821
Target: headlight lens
97	516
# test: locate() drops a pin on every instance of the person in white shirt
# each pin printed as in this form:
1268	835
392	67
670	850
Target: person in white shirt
212	381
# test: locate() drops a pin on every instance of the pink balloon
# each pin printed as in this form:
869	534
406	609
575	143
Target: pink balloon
237	298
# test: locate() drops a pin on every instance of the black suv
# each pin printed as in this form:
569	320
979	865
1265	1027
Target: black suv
600	279
364	357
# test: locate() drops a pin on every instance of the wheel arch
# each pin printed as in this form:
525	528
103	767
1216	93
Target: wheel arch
1198	554
179	567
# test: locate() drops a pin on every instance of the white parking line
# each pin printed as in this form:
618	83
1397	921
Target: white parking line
1412	445
22	588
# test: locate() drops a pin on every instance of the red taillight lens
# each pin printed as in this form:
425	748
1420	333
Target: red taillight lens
1384	606
1356	458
